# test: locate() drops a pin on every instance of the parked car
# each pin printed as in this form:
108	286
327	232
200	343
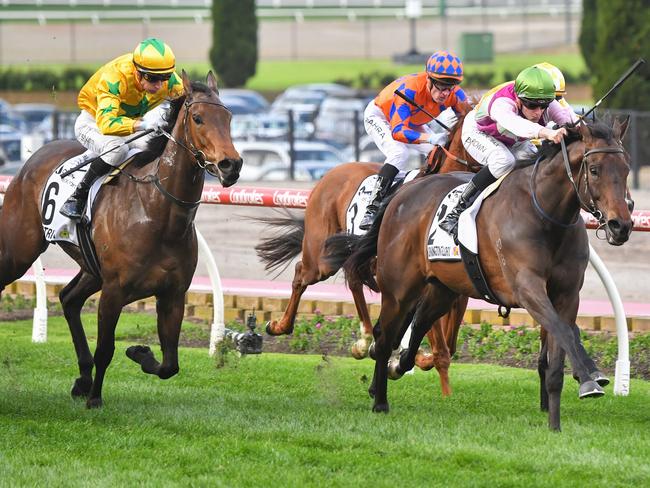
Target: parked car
262	157
252	99
291	98
34	114
10	142
329	89
337	116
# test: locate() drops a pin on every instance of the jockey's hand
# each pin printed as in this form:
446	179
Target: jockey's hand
438	138
553	135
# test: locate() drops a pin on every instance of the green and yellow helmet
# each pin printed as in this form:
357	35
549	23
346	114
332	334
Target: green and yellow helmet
534	83
556	75
154	56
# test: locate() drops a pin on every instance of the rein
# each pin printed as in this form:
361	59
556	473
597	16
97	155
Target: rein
198	155
588	206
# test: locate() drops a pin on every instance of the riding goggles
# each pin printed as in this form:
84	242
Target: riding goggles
155	77
533	104
444	86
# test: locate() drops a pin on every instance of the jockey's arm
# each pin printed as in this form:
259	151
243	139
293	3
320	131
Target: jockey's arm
108	106
504	112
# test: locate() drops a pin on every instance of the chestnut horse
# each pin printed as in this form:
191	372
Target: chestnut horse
142	228
533	249
325	216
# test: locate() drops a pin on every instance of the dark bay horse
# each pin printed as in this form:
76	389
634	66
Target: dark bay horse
533	249
325	216
142	228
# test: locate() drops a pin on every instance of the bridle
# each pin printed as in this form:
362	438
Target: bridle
189	146
589	206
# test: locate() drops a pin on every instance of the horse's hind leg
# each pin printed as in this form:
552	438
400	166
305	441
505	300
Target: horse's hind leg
298	287
170	309
434	303
360	347
72	298
110	308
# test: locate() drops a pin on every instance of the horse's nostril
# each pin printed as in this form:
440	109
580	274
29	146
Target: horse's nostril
225	165
614	225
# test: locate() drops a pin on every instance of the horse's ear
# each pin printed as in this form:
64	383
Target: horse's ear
212	82
585	133
187	83
620	128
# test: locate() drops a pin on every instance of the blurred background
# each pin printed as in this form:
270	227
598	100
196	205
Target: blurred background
297	74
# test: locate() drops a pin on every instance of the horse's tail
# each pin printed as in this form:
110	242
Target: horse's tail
356	254
280	249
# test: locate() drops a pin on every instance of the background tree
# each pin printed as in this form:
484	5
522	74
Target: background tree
234	40
587	39
622	36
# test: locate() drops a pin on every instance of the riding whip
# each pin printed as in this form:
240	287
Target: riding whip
127	141
620	81
415	104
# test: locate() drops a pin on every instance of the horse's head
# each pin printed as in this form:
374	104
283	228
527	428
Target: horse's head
207	131
605	168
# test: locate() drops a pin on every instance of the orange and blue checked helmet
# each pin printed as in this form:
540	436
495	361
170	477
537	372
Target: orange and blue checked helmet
444	66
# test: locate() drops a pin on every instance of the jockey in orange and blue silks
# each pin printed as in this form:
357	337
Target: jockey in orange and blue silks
126	95
395	125
499	130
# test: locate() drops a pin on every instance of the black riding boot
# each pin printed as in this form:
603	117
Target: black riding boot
74	206
386	176
477	184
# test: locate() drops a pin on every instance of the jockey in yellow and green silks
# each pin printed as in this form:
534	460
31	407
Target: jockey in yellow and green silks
126	95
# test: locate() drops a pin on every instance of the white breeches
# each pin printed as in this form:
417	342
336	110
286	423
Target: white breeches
89	135
489	151
396	152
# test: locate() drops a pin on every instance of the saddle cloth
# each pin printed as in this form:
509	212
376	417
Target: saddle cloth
361	199
57	190
440	245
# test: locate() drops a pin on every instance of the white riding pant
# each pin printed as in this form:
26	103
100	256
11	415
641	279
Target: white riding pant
88	134
489	151
396	152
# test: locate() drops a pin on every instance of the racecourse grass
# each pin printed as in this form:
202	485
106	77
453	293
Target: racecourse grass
294	420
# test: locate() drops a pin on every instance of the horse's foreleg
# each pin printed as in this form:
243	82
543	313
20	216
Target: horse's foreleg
542	366
554	381
110	307
170	310
298	287
531	293
72	298
360	347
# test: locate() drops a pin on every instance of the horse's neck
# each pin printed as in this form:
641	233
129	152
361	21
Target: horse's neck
553	189
183	180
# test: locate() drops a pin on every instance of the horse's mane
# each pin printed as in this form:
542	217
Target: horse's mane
156	145
548	150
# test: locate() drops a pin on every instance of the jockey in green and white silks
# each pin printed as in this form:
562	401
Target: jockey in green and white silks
500	128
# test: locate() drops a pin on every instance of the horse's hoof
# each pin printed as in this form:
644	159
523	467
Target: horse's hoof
138	353
424	361
359	349
271	329
590	389
599	378
380	408
81	388
94	402
393	369
371	350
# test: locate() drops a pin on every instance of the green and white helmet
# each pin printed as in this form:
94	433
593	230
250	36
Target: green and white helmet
535	84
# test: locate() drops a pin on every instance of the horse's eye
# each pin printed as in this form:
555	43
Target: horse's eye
594	170
197	119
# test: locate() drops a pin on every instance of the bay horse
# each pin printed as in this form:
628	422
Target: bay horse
142	228
533	250
325	215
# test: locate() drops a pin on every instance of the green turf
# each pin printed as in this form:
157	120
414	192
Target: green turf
290	420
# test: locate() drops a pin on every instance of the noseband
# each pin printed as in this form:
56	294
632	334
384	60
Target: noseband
590	206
